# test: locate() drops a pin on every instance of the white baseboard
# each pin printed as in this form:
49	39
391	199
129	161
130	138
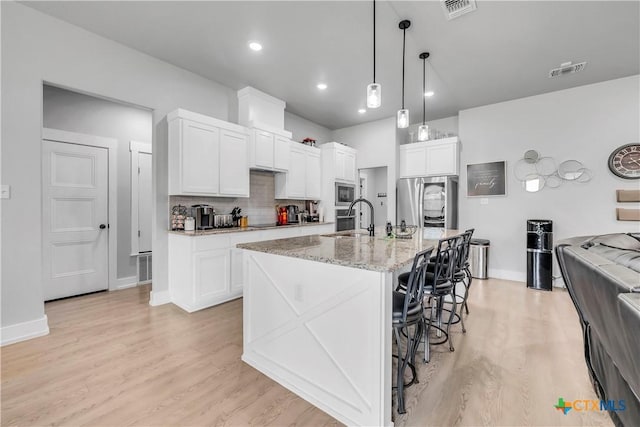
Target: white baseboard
24	331
159	298
126	282
517	276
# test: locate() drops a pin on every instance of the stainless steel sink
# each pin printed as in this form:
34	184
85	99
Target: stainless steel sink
343	235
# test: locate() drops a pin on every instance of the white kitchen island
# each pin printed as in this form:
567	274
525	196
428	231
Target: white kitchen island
317	318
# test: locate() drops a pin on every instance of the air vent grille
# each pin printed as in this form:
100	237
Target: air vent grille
145	268
567	68
456	8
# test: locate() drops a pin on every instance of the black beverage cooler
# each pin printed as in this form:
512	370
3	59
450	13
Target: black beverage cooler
540	254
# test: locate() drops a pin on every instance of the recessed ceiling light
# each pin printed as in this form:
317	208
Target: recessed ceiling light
321	86
255	46
362	111
428	93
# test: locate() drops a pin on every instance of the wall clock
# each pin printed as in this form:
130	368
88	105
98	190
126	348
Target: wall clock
624	161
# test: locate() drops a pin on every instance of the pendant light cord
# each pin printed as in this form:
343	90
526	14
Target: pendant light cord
404	36
374	41
424	89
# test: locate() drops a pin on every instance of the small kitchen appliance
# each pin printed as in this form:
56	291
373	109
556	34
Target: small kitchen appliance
345	194
204	216
292	214
282	216
312	208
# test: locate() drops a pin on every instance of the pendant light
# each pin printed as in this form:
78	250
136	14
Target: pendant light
423	129
374	90
403	113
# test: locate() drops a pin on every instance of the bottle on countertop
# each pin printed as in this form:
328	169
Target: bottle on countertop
389	228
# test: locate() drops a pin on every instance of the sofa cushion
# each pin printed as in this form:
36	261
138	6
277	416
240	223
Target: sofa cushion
619	241
629	258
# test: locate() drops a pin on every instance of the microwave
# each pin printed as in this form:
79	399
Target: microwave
345	194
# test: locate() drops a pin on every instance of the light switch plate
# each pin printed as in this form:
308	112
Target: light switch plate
5	191
484	201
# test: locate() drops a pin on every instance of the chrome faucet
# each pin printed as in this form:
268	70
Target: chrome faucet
370	229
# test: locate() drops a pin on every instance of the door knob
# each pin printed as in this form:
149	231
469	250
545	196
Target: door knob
102	226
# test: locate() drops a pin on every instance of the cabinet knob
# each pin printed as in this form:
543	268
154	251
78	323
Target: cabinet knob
102	226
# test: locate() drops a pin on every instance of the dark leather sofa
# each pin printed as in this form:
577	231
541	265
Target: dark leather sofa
602	274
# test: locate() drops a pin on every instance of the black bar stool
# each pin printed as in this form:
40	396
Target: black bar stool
440	283
408	311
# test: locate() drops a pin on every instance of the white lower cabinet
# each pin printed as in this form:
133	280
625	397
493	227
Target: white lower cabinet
208	270
211	275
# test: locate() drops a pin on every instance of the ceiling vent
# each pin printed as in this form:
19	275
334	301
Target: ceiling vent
455	8
567	68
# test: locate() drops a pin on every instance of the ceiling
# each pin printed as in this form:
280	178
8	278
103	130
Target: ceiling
503	50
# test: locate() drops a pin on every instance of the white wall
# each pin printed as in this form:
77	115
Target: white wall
75	112
377	147
584	123
37	48
303	128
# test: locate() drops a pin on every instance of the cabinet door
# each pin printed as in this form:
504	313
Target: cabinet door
442	159
340	160
349	167
264	149
237	278
313	178
413	160
234	170
281	154
211	275
297	175
199	159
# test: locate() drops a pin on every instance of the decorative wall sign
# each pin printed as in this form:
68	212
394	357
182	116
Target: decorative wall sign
486	179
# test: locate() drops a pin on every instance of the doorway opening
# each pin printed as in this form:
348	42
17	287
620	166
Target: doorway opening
373	187
97	196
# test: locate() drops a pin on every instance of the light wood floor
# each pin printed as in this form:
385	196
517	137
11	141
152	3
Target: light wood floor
112	360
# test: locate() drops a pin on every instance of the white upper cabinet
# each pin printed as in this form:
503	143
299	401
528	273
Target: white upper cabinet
348	160
269	149
264	146
413	160
303	179
340	162
207	156
281	154
430	158
234	180
313	172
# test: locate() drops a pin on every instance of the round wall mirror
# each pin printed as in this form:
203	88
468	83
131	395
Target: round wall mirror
531	156
570	170
533	183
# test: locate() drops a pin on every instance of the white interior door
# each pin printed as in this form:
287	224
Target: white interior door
75	219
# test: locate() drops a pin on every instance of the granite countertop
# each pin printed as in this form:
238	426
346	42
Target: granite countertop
353	249
243	229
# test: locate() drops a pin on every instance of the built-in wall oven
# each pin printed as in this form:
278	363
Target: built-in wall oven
345	194
344	221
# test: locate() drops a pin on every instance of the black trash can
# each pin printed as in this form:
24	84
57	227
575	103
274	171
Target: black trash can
540	254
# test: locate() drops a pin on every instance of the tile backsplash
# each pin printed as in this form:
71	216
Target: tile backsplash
259	207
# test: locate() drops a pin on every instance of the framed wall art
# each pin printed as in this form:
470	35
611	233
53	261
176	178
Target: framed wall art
486	179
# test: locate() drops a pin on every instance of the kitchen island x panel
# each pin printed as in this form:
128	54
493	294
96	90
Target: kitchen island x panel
317	318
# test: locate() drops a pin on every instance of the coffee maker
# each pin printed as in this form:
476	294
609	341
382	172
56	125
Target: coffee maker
292	214
312	208
204	215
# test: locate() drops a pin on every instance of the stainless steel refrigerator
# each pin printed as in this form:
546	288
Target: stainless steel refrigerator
428	202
